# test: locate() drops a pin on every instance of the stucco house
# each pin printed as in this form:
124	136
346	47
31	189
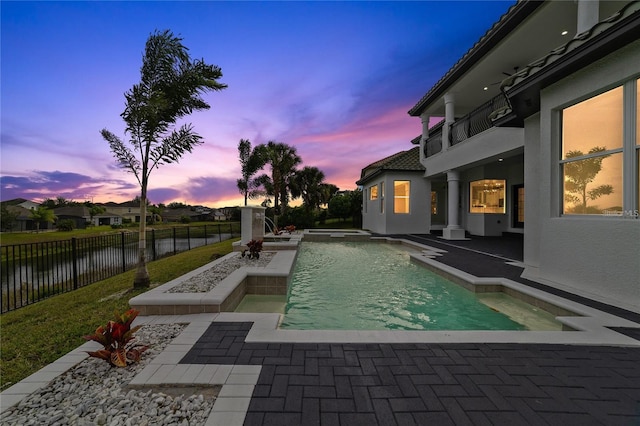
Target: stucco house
540	137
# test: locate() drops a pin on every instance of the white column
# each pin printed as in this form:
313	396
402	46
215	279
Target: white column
453	231
588	15
252	223
449	118
425	134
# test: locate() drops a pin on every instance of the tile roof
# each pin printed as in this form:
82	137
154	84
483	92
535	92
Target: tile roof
631	12
405	160
576	42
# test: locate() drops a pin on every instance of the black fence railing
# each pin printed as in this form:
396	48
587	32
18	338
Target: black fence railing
433	144
475	122
33	272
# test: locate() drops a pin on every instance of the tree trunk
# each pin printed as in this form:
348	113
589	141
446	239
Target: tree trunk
141	279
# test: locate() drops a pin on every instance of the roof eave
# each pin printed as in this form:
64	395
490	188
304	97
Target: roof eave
501	29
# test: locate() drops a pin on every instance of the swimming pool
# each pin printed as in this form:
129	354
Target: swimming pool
375	286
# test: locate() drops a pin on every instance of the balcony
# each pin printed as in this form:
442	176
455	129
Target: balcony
476	122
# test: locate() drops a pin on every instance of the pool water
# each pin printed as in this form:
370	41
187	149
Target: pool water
375	286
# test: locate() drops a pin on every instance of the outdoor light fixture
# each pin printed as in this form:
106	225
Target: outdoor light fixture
564	33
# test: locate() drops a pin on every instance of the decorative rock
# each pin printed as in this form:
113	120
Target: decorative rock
207	280
95	394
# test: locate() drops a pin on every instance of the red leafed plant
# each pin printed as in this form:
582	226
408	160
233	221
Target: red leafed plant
290	229
255	247
116	338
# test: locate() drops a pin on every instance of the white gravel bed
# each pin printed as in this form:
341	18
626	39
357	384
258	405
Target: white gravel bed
94	393
206	281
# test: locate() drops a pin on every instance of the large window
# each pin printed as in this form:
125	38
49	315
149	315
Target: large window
401	191
600	154
592	154
487	196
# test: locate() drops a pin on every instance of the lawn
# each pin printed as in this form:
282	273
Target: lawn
9	238
37	335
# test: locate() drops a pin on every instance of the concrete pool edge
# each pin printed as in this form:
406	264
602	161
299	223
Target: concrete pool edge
588	325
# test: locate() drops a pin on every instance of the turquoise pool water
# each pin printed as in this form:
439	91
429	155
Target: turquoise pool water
375	286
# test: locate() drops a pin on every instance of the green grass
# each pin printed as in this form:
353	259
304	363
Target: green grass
36	335
10	238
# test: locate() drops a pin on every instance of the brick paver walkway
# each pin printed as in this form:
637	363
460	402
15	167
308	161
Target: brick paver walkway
430	384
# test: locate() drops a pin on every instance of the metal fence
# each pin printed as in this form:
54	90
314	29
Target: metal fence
35	271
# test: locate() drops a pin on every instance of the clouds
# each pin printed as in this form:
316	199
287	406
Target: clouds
333	79
40	185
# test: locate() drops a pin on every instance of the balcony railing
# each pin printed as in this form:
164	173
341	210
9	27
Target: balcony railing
433	145
464	128
477	121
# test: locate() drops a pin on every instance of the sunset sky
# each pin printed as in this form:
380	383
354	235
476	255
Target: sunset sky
333	79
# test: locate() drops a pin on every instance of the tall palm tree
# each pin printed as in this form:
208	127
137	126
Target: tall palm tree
307	184
170	88
250	161
283	160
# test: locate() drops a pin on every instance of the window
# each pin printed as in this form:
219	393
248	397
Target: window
434	202
592	154
401	191
373	191
487	196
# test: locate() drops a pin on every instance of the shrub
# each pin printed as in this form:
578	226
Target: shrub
66	225
117	226
185	219
116	339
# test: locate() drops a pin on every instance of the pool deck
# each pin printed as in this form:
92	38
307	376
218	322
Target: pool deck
372	381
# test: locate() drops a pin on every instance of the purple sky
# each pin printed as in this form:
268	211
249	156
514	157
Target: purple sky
333	79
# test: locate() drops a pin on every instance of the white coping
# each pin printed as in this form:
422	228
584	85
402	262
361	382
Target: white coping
279	266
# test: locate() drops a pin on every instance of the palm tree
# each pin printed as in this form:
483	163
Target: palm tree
307	184
283	160
250	161
170	88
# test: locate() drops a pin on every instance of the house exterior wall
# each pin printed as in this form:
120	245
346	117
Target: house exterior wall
386	221
593	255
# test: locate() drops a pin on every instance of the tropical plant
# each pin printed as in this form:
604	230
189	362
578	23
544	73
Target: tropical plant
170	88
254	247
308	184
283	160
250	162
580	173
116	338
42	214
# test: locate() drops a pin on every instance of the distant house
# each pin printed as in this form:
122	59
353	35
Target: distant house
178	215
127	211
82	217
540	136
23	208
